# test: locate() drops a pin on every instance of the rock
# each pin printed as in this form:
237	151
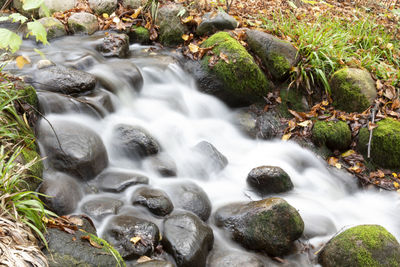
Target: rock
139	35
29	154
363	246
216	21
100	100
63	80
100	207
277	56
269	179
121	228
171	28
116	181
103	6
115	45
385	143
163	164
52	6
187	239
63	193
73	148
125	71
243	81
54	27
71	249
352	90
83	22
190	197
154	263
134	142
210	157
233	259
335	135
8	24
270	225
44	63
155	200
291	99
134	4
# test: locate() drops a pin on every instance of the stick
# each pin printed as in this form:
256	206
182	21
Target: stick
372	129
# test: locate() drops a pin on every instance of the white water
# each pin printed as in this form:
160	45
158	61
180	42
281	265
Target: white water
178	116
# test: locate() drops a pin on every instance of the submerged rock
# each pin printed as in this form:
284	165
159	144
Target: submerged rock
116	181
335	135
100	207
187	239
115	45
83	22
124	70
269	225
157	201
53	26
363	246
209	157
100	100
171	28
216	21
163	164
269	179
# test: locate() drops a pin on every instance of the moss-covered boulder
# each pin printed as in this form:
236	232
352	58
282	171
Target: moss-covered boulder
353	90
291	99
385	143
335	135
243	81
139	34
171	28
269	225
269	179
54	27
362	246
35	171
83	22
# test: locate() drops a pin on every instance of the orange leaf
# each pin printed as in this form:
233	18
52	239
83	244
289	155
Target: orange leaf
286	137
22	61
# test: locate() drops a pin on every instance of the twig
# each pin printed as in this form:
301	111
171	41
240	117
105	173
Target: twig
375	108
6	4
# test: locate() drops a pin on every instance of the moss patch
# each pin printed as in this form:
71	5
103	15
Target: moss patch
35	171
335	135
291	99
139	34
280	66
28	94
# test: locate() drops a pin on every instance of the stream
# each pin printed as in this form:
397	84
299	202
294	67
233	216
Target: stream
178	116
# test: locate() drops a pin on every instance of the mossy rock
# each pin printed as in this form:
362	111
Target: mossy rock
35	171
291	99
385	143
171	28
54	27
362	246
28	94
335	135
139	34
242	79
353	90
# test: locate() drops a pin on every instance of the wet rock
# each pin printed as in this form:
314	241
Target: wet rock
64	193
154	263
125	70
83	22
134	142
121	228
363	245
353	90
270	225
233	259
100	100
63	80
247	122
335	135
134	4
115	181
103	6
243	81
100	207
171	28
44	63
139	35
163	164
269	125
269	179
157	201
190	197
278	56
216	21
212	159
115	45
54	27
73	148
187	239
66	249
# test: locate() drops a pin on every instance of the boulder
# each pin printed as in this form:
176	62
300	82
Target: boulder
73	148
385	143
269	179
103	6
117	181
101	207
209	157
63	80
157	201
122	230
63	193
99	100
54	27
115	45
187	239
162	164
335	135
190	197
83	22
363	246
352	90
277	56
134	4
52	6
139	34
170	27
216	21
242	80
269	225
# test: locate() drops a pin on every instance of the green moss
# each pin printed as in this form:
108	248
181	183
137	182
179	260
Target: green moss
241	76
335	135
28	94
385	143
35	171
280	66
291	99
139	34
171	33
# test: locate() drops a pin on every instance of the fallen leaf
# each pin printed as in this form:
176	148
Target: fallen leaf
394	175
305	123
185	37
286	137
396	185
91	241
193	48
333	161
22	61
348	153
137	13
187	19
135	239
143	259
224	57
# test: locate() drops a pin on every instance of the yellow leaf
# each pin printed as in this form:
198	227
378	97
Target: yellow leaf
105	15
137	13
143	259
338	165
389	46
135	239
333	161
185	37
304	123
193	48
348	153
396	184
286	137
325	103
22	61
187	19
394	175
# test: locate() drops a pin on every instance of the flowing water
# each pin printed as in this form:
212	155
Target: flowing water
179	116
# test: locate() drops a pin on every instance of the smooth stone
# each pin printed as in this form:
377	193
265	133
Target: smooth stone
103	6
157	201
44	63
57	6
134	4
100	100
216	21
209	158
83	22
170	27
269	179
101	207
115	45
54	27
233	259
116	181
163	164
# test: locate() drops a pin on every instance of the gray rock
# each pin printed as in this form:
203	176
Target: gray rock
63	80
83	22
121	228
187	239
171	28
115	181
8	24
100	100
157	201
54	27
269	179
216	21
209	156
233	259
103	6
115	45
277	56
100	207
270	225
44	63
64	193
134	4
52	6
163	164
73	148
154	263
